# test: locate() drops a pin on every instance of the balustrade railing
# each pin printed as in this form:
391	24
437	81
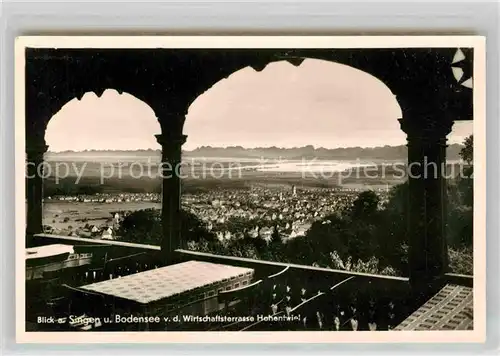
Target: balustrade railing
282	296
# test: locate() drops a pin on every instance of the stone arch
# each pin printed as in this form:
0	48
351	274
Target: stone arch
404	71
56	76
169	80
108	117
36	146
254	75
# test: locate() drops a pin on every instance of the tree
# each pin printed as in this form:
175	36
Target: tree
392	229
460	226
193	229
460	215
467	152
145	226
465	180
365	205
330	234
274	250
276	237
141	226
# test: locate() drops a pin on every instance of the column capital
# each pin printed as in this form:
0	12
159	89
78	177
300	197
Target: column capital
171	114
426	129
171	120
166	140
36	148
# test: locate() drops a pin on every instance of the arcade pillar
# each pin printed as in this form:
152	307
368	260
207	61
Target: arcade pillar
428	255
171	191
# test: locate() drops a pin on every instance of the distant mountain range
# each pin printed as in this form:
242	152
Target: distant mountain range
309	152
348	153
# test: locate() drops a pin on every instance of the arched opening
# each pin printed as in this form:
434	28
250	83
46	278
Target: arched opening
100	164
290	157
460	189
318	100
317	127
296	133
114	121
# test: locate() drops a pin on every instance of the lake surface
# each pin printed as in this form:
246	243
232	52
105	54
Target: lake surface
94	164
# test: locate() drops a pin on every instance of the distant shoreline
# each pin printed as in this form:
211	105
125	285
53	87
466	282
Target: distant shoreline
385	153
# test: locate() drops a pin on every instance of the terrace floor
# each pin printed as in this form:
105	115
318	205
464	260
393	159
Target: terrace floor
450	309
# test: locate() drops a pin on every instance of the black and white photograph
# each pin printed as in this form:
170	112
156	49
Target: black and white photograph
197	185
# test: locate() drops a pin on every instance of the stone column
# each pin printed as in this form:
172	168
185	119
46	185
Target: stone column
171	191
34	188
428	254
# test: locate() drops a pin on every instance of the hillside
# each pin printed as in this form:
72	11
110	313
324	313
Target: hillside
389	153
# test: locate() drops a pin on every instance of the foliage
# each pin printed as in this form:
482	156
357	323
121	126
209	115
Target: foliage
363	239
460	202
461	260
372	265
141	226
467	152
366	237
465	185
460	226
145	226
365	206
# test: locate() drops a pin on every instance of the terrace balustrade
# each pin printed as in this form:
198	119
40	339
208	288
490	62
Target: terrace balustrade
282	296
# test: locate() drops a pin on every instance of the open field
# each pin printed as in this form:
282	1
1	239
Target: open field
87	178
74	178
64	215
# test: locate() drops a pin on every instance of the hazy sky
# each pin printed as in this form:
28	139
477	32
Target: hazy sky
318	103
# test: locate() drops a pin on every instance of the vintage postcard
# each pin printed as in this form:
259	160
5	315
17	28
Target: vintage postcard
250	189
